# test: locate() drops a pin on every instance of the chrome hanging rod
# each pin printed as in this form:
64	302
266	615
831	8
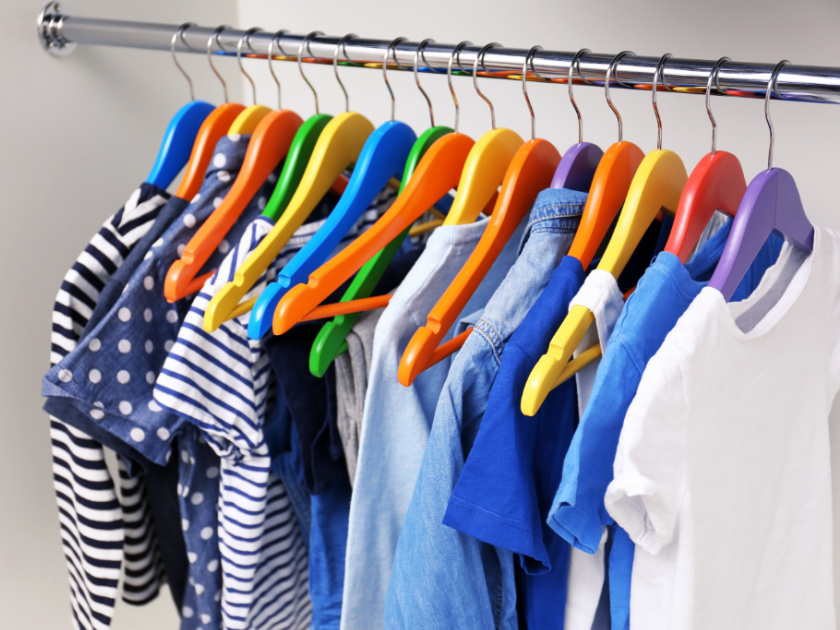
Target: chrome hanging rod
60	32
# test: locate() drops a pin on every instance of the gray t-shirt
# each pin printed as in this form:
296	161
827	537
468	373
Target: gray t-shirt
351	377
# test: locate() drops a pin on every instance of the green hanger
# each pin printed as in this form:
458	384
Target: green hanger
331	340
295	165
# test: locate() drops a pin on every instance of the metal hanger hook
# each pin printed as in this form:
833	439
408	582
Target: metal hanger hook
771	87
657	75
480	56
305	43
276	37
180	34
611	70
214	39
576	62
529	59
246	37
417	54
392	46
342	46
456	52
713	77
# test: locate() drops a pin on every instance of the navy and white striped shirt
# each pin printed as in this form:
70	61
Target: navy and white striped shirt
100	532
221	383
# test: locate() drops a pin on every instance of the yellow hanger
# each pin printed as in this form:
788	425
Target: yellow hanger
246	122
337	147
657	185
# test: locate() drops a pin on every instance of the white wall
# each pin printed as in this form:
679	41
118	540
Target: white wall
63	123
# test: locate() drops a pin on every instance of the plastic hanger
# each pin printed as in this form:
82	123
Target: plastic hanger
578	165
716	183
180	135
771	203
529	172
657	184
440	169
330	341
214	127
383	156
269	144
338	146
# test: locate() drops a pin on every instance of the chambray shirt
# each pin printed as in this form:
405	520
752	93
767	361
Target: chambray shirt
443	578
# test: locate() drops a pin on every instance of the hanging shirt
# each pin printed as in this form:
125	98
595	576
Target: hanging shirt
663	294
443	578
397	419
91	517
722	477
352	369
109	392
220	383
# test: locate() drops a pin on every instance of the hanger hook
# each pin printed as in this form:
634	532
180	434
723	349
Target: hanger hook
480	56
342	45
276	37
214	39
180	34
713	77
657	75
611	70
418	53
529	59
771	87
305	43
576	62
246	37
456	52
392	46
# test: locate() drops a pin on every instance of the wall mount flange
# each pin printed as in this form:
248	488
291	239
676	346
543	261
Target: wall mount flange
49	29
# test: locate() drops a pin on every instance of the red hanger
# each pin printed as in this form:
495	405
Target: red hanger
716	183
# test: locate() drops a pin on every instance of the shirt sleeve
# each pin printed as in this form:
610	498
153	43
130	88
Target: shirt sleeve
650	468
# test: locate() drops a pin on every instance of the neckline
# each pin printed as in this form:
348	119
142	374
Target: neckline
798	283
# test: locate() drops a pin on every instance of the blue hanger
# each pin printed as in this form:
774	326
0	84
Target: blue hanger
383	157
181	133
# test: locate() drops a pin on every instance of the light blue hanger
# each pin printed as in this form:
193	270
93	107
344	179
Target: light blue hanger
181	133
383	157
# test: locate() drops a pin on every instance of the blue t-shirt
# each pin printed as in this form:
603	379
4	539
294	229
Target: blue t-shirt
662	295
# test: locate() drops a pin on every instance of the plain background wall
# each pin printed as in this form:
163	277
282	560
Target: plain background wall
79	134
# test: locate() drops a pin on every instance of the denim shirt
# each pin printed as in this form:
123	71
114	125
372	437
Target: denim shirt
397	419
443	578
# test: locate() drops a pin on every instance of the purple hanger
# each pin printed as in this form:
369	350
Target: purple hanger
577	167
771	203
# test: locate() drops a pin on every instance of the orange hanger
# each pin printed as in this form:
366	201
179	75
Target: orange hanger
716	183
609	185
439	170
530	171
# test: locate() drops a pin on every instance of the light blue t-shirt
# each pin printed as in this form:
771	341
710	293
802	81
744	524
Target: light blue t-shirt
661	297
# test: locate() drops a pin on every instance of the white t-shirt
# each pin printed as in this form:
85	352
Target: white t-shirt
723	474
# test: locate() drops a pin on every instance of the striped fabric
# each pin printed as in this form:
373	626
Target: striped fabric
220	382
98	534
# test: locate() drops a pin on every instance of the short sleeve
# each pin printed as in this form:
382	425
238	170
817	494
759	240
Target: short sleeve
650	468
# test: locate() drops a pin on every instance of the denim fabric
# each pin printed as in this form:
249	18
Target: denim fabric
104	387
663	294
397	419
443	578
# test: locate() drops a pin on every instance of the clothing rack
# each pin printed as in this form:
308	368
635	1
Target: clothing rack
60	32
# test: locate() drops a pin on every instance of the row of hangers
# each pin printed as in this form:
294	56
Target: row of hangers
500	173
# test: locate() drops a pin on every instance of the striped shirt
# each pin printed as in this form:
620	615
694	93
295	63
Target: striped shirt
99	531
221	383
